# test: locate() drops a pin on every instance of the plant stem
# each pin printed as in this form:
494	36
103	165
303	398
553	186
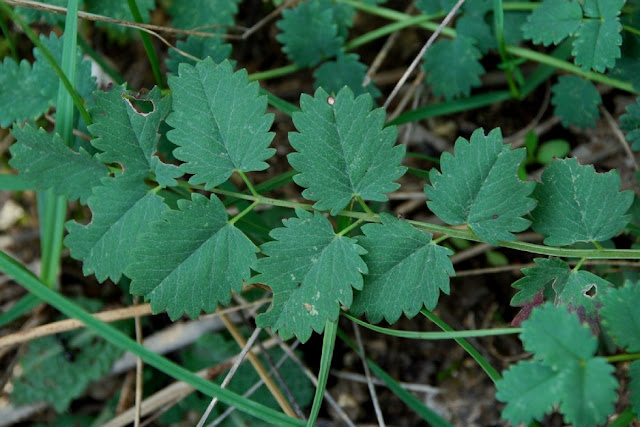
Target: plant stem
248	183
364	206
348	229
243	213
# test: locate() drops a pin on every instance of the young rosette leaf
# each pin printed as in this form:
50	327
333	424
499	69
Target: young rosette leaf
597	42
43	159
122	209
406	271
311	272
621	317
553	21
453	67
576	101
564	371
310	32
129	136
479	186
343	150
192	259
345	70
577	204
530	389
219	122
630	123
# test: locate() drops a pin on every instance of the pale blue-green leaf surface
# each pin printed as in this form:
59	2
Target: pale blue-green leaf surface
630	123
478	186
200	47
407	271
634	385
44	160
576	204
597	43
343	150
219	122
345	70
204	15
312	271
122	209
191	259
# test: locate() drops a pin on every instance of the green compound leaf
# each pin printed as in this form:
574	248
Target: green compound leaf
49	375
346	70
208	103
45	160
553	280
577	204
630	123
192	259
634	385
27	92
478	186
564	372
453	67
310	32
589	392
539	280
553	21
311	271
406	271
204	15
343	150
558	347
119	9
530	390
597	43
576	101
129	136
621	318
122	209
200	47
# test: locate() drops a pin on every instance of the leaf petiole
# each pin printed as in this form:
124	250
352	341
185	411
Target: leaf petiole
249	208
248	183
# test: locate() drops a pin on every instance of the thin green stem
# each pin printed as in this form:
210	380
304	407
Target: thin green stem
623	357
248	183
507	62
148	44
364	206
578	266
348	229
597	245
479	358
454	232
440	239
436	335
389	29
77	100
243	213
275	73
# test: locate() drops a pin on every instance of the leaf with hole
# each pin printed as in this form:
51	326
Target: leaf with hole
209	101
43	159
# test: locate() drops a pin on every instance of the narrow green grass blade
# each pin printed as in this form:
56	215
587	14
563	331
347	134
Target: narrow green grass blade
111	72
279	103
148	45
9	38
484	364
53	208
624	419
12	182
23	306
328	343
26	279
409	399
